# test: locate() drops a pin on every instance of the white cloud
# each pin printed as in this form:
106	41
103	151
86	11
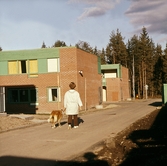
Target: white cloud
95	8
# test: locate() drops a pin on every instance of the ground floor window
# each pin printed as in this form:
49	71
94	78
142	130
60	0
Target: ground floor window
22	95
54	94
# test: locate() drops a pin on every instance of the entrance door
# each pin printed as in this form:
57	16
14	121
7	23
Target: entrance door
2	99
104	94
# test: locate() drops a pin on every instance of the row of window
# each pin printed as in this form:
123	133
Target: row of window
30	95
31	66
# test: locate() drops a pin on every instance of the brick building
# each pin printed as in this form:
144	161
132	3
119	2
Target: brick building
35	81
115	83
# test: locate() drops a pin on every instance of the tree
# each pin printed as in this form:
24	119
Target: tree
59	43
95	51
158	71
0	49
116	49
165	65
43	45
146	54
133	49
84	46
103	57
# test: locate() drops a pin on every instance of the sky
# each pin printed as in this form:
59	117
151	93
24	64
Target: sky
26	24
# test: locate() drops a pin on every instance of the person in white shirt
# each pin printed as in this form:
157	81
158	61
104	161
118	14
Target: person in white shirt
72	103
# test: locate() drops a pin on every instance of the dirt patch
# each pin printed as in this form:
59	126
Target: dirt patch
8	123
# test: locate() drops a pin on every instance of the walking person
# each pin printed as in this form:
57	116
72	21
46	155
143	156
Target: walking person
72	104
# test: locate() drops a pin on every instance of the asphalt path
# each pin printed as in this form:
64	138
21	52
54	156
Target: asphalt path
43	145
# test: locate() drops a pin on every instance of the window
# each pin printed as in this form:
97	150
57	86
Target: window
110	75
53	94
13	96
23	95
23	66
19	95
53	65
33	68
12	67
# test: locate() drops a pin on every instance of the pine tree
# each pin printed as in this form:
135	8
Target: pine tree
109	58
116	49
158	71
102	55
145	60
133	49
95	51
164	57
43	45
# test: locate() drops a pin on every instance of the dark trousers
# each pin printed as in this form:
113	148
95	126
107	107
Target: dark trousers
75	120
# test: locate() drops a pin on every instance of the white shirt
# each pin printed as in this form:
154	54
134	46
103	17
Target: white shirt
71	102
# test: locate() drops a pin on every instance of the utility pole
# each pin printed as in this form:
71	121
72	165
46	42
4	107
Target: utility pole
133	78
146	88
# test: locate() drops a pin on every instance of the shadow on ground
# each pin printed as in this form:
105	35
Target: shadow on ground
151	149
90	159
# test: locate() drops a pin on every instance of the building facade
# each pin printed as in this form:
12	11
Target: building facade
35	81
115	83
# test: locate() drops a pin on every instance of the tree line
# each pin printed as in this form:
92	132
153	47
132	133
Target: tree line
146	62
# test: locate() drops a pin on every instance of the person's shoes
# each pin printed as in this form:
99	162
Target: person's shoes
69	127
75	127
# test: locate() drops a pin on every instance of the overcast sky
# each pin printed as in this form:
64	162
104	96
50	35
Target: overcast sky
26	24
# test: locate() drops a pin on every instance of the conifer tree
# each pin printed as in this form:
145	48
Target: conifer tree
158	71
133	49
43	45
95	51
145	60
117	49
164	57
102	55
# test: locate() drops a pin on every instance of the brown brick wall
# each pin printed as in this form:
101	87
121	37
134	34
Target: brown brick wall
91	80
88	84
71	61
118	88
68	69
42	82
113	89
125	83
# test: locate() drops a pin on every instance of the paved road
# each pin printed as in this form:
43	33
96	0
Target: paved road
41	143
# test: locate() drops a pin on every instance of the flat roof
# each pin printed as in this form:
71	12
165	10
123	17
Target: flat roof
31	53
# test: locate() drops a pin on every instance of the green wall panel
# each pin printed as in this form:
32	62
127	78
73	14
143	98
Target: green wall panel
42	65
3	68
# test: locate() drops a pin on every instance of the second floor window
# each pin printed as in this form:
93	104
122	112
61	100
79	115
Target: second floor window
23	66
53	65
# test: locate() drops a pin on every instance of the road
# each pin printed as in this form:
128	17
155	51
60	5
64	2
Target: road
47	145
